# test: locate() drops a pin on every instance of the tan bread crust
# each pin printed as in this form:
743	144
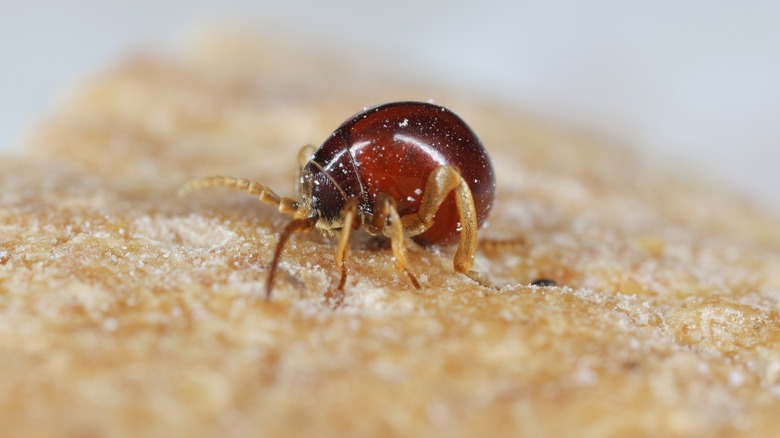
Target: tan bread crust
127	311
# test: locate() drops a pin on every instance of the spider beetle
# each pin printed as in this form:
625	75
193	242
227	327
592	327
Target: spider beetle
400	169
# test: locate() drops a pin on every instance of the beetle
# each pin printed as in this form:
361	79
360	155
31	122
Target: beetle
401	169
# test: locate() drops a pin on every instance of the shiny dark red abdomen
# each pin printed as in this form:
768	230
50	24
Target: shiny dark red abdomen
392	148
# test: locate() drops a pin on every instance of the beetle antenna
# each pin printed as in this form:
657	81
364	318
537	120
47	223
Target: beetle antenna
264	194
294	226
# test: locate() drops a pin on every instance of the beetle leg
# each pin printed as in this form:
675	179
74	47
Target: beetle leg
348	214
385	208
264	194
441	182
294	226
304	155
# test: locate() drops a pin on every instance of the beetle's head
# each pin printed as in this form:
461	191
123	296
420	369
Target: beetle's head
322	195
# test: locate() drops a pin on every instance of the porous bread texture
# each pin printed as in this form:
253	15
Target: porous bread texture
127	311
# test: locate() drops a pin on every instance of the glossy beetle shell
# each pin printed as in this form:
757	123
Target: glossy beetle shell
392	149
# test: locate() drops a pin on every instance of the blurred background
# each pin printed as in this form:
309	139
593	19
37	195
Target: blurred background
692	82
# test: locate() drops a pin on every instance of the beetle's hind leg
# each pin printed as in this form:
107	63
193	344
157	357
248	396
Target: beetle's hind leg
441	182
264	194
385	209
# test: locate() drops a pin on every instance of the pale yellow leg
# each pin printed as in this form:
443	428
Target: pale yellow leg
385	208
348	215
304	155
441	182
294	226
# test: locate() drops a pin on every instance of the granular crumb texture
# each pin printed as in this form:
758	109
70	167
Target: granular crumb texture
128	311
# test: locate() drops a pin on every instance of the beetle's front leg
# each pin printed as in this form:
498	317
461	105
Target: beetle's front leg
384	209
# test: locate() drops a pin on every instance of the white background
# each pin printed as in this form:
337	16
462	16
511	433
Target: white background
696	82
